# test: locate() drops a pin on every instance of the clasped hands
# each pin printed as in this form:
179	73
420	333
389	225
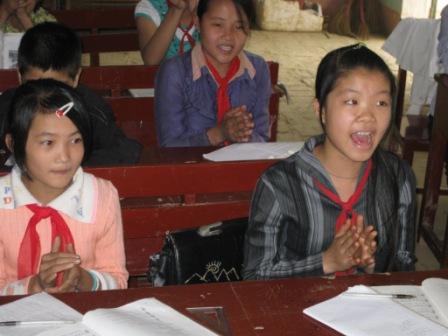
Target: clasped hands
237	125
75	278
353	246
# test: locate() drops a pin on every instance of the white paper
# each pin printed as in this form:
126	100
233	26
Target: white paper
372	316
9	47
37	307
431	298
254	151
144	92
420	304
142	318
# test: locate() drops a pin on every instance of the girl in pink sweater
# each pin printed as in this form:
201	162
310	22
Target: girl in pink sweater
60	228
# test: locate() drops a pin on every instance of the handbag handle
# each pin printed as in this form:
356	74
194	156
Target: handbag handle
210	229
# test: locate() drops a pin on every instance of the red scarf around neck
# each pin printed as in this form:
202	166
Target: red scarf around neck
29	252
347	210
222	94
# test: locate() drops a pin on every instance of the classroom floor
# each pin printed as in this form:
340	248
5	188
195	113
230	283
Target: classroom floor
299	55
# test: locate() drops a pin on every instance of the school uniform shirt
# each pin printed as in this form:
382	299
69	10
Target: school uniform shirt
185	98
91	209
292	222
156	10
110	144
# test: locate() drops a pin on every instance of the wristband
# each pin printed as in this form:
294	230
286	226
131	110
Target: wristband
95	282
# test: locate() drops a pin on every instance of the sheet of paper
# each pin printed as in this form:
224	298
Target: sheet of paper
37	307
372	316
143	318
144	92
10	47
254	151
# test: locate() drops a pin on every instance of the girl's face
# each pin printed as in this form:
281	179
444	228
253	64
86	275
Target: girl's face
54	151
357	114
222	33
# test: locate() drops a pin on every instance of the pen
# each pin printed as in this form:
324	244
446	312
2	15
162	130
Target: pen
379	295
19	323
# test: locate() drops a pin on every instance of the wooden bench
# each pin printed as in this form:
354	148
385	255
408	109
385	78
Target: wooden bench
102	29
163	197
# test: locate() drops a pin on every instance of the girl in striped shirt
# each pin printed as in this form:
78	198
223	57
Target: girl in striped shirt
342	204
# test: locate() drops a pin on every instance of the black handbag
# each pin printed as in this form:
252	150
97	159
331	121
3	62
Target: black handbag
210	253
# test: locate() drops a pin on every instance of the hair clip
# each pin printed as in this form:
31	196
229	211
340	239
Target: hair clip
63	110
359	45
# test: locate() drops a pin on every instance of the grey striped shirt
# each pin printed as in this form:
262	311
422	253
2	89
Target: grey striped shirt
292	223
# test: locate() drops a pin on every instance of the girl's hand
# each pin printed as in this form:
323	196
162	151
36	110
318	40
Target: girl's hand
10	6
237	125
365	256
179	4
51	264
339	256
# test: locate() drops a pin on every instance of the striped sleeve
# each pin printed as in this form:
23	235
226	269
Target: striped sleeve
266	254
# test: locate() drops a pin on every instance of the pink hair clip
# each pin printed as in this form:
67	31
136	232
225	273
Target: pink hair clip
63	110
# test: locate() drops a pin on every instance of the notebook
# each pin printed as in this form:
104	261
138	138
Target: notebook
431	298
372	316
143	317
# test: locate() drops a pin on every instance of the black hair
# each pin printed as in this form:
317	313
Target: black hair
337	63
50	46
243	8
44	96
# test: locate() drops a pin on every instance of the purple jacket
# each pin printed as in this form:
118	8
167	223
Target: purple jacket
185	98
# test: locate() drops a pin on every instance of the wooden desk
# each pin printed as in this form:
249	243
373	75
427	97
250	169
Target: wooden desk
251	307
433	176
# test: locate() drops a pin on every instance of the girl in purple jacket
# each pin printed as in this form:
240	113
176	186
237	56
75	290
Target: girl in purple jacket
217	93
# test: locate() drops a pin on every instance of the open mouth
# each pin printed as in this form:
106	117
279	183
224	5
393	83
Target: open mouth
225	48
362	139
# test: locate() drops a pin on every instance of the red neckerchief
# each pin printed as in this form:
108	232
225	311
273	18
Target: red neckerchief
222	95
186	36
346	207
29	252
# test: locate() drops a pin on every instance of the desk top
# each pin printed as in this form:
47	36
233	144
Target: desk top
251	307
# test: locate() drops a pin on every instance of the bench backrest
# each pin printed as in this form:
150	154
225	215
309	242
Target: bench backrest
160	198
102	29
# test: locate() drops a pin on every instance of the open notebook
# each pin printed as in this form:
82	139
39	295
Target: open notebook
374	315
431	298
143	317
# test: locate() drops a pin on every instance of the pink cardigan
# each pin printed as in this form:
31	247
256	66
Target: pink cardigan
99	243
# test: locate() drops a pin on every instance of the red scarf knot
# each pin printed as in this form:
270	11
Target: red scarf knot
222	94
186	36
30	250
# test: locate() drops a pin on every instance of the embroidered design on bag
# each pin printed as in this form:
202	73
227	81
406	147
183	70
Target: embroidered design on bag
214	273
